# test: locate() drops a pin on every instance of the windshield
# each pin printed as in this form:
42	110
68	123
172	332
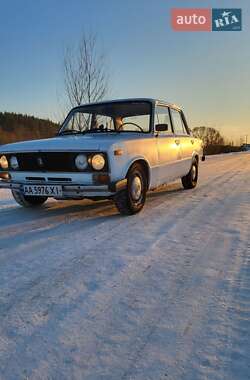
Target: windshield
113	117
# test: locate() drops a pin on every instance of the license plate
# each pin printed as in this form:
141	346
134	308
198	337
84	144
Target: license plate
42	190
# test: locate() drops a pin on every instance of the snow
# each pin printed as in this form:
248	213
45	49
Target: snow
88	294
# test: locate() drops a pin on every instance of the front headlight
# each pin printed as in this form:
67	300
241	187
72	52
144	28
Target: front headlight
81	162
4	163
14	163
98	162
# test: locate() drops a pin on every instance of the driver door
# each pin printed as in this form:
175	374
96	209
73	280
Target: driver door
169	151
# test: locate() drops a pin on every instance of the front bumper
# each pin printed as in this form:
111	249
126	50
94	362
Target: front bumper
72	191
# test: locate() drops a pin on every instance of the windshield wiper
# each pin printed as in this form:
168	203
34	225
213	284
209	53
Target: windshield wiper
100	130
70	132
75	132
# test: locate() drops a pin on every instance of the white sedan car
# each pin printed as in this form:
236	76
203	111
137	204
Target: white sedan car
116	149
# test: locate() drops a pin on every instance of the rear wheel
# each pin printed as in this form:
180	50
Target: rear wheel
131	200
28	201
190	180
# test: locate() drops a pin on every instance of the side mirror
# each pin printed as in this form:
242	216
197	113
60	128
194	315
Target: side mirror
161	127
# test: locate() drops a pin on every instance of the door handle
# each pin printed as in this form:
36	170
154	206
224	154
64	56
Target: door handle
177	142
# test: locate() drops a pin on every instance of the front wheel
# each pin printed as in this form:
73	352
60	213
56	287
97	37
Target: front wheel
190	180
28	201
131	200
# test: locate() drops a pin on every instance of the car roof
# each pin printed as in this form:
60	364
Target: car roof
151	100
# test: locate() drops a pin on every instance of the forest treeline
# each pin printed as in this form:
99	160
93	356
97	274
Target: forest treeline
17	127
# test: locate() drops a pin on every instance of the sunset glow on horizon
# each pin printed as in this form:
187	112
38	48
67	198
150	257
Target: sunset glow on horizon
206	73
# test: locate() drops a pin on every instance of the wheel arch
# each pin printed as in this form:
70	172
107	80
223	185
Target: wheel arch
196	157
144	164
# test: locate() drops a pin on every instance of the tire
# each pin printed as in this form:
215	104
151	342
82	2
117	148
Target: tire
190	180
131	200
28	201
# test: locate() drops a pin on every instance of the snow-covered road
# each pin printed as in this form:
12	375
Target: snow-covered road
88	294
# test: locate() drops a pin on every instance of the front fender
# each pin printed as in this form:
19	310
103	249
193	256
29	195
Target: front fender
120	166
133	160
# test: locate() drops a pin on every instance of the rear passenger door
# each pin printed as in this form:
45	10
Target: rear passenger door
183	138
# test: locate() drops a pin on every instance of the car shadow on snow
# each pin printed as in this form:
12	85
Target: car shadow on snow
174	188
64	211
21	225
50	220
6	202
14	215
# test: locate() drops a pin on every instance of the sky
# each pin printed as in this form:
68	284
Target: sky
206	73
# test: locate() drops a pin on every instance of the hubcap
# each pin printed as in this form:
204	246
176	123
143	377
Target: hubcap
193	172
136	188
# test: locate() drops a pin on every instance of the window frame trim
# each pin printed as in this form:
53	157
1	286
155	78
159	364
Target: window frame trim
80	108
184	123
170	119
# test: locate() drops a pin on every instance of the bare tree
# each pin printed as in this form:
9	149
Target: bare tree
209	136
85	72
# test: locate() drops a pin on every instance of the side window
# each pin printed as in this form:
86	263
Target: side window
162	117
178	124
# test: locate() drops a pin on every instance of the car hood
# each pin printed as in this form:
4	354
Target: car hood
89	142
